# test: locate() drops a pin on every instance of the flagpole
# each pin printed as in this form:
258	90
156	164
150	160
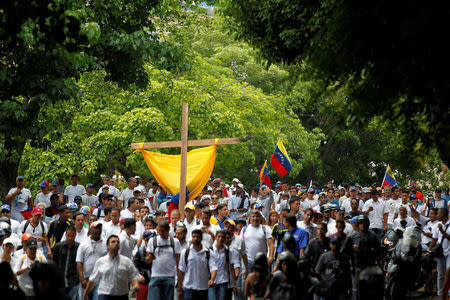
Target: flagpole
384	176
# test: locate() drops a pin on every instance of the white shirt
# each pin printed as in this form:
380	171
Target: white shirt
234	202
427	227
20	202
88	253
15	227
127	244
331	227
71	191
207	240
164	264
90	201
125	196
190	226
126	214
25	282
43	198
196	273
114	275
400	204
376	216
409	222
142	189
111	190
313	202
34	231
110	229
79	237
223	269
391	205
255	240
438	235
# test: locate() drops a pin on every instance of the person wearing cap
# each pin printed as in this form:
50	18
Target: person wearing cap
322	202
334	268
37	228
108	183
88	253
189	220
20	199
7	250
64	256
89	199
377	212
44	195
153	195
56	190
266	200
5	211
113	273
57	227
23	266
139	185
238	203
233	186
105	200
310	198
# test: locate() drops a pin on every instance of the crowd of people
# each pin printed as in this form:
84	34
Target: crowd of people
71	242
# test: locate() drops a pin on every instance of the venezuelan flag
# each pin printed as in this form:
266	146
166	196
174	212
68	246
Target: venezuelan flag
389	178
280	160
264	176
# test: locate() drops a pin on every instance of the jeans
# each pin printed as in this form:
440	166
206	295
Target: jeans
440	267
218	292
71	292
240	282
108	297
378	232
92	295
161	288
189	294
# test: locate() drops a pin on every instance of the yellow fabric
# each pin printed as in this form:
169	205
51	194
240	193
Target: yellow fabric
166	169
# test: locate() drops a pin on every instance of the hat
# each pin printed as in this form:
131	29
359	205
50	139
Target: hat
205	197
32	243
96	224
37	211
317	212
6	207
44	183
365	190
77	199
277	186
430	195
230	221
241	220
90	185
353	189
353	220
72	206
137	177
322	194
209	188
189	206
84	210
259	205
235	180
341	188
264	186
20	178
26	236
335	239
240	185
438	190
357	185
326	208
105	196
55	183
10	241
217	180
311	190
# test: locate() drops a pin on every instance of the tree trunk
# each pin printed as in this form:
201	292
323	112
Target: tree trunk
8	175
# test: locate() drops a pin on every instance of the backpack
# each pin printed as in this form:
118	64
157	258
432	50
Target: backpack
243	197
171	244
99	212
245	228
28	223
197	221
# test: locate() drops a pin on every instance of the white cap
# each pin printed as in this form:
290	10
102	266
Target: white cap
10	241
240	185
209	188
235	180
205	197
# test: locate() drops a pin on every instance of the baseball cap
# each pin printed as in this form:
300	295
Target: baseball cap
72	206
55	182
241	220
322	194
26	236
189	206
96	224
37	211
6	207
235	180
438	190
264	186
240	185
205	197
10	241
353	188
230	221
353	220
90	185
335	239
326	208
430	195
84	210
259	205
365	190
20	178
311	190
77	199
32	243
44	183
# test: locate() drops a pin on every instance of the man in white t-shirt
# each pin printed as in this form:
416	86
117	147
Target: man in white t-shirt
209	230
89	199
256	238
164	254
391	204
20	199
44	195
127	193
189	221
405	203
5	211
153	195
74	189
403	216
133	205
439	228
377	212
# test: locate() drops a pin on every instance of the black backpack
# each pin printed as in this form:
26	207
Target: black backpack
28	223
171	244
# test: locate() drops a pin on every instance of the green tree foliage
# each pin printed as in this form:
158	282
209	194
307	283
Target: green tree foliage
390	56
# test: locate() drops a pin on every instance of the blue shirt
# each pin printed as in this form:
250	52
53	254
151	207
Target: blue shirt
221	224
301	238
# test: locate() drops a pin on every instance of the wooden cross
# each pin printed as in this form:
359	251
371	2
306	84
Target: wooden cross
184	144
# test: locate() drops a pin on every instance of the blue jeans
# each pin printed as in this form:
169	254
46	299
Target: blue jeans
71	292
189	294
107	297
218	292
240	282
378	232
92	295
161	288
